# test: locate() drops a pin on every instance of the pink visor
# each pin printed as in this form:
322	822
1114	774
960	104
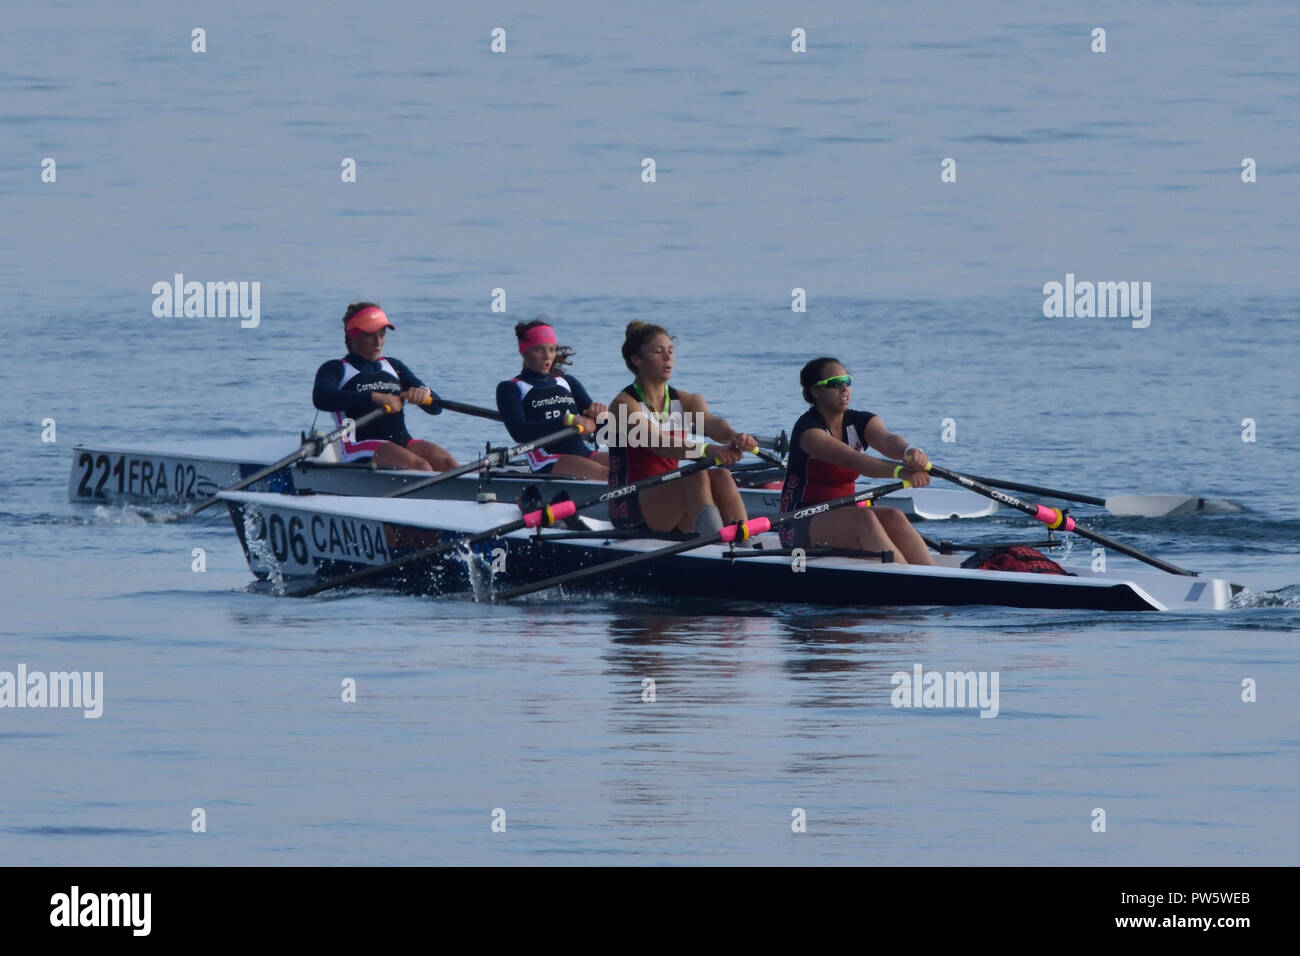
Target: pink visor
537	335
367	320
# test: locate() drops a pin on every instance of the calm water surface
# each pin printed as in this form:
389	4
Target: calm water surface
522	172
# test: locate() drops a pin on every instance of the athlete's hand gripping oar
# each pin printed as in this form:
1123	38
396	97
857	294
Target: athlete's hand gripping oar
1142	506
493	459
1055	519
732	532
309	447
544	517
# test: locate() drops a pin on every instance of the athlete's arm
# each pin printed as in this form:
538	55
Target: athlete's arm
511	406
823	446
409	382
587	409
895	446
328	397
714	427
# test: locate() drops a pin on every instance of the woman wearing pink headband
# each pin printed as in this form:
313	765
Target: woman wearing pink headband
535	402
353	385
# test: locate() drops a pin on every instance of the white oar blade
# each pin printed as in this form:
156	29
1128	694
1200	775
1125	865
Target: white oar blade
1152	506
941	504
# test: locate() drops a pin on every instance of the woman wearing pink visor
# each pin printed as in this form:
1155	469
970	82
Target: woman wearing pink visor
535	402
353	385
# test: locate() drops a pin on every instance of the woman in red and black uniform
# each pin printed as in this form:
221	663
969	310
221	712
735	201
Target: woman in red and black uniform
363	379
649	435
827	454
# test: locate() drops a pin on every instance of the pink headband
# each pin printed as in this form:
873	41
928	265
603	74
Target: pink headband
537	335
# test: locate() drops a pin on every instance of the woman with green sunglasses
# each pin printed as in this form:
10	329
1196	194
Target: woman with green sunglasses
827	454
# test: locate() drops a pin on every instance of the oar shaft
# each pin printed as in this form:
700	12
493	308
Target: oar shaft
1046	492
312	445
475	410
497	458
1054	519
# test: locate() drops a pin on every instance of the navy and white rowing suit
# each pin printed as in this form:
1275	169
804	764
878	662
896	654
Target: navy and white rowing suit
343	388
532	405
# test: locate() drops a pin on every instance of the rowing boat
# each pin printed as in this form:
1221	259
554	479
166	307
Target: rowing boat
191	471
290	538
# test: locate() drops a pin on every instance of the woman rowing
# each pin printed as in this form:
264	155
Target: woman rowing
363	379
649	436
536	401
827	454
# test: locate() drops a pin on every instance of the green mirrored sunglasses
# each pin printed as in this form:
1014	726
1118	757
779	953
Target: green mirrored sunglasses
836	381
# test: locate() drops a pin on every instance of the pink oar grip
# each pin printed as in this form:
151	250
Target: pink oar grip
746	529
550	514
1054	519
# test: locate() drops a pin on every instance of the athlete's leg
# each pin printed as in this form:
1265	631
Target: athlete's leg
439	459
674	506
905	537
574	466
390	455
726	495
852	528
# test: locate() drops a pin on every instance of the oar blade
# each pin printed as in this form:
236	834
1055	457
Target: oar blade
1153	506
941	504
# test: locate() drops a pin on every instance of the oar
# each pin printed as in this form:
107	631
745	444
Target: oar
543	517
310	446
732	532
1055	519
464	409
1144	506
780	444
493	459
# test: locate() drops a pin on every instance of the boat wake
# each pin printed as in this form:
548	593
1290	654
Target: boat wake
1281	597
123	516
1222	506
259	549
